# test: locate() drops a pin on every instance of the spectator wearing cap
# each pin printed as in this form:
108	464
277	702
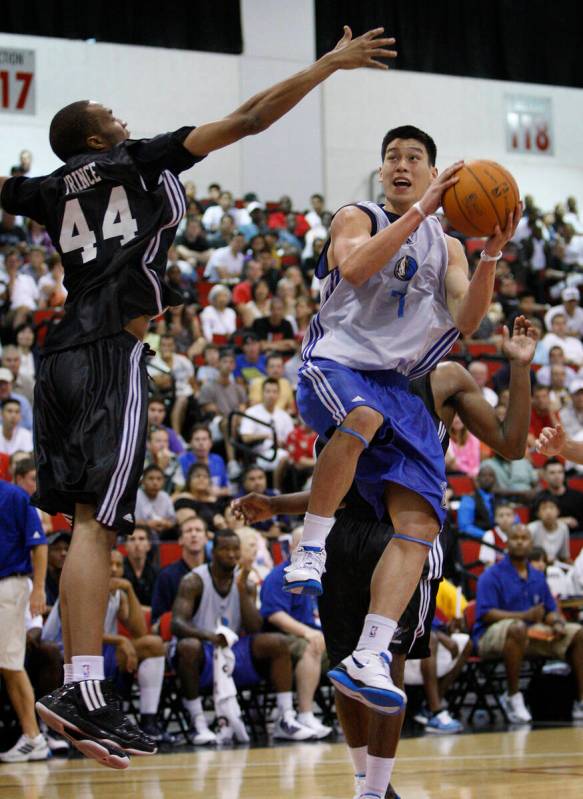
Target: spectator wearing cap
13	436
217	319
226	263
137	564
558	337
572	415
257	225
7	392
59	543
571	309
251	362
23	554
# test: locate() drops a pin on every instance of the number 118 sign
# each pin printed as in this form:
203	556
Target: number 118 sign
529	125
17	78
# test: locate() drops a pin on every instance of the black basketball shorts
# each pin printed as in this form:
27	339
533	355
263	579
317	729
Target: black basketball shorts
353	549
90	427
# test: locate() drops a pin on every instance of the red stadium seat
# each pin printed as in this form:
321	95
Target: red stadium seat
220	339
165	626
575	546
469	553
474	245
524	513
478	348
494	366
170	552
5	467
203	288
461	484
576	483
470	615
60	522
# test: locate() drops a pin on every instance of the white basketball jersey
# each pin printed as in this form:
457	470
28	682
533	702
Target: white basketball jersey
215	609
398	319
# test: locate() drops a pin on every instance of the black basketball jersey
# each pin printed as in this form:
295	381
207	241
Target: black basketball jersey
112	216
353	502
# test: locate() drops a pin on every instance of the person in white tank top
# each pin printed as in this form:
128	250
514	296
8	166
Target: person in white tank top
395	297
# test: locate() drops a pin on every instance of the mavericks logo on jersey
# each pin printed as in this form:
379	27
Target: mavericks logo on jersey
405	268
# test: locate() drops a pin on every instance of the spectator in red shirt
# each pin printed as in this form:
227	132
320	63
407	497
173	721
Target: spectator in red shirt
300	446
278	219
242	291
541	416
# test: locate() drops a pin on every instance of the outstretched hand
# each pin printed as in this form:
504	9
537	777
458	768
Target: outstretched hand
364	51
521	347
551	441
252	508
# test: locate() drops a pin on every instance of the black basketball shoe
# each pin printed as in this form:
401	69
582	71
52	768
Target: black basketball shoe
89	714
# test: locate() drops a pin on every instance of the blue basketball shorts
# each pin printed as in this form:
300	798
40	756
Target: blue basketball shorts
244	675
406	449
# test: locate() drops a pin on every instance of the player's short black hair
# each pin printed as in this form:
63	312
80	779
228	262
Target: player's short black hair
410	132
70	128
224	535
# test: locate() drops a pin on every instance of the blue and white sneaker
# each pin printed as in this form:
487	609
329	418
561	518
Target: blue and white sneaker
366	676
443	724
304	573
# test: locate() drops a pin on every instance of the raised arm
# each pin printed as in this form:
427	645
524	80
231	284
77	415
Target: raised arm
265	108
508	438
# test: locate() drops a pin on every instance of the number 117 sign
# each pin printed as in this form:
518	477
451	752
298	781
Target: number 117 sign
17	79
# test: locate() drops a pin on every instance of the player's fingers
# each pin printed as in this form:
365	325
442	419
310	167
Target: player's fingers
383	53
371	33
505	333
347	32
376	64
382	42
497	232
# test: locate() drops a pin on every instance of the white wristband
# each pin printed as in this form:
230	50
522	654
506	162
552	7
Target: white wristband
417	207
485	257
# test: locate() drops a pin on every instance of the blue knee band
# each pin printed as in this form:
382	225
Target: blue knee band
349	431
414	540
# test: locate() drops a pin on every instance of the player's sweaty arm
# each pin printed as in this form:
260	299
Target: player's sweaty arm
509	437
2	182
259	507
265	108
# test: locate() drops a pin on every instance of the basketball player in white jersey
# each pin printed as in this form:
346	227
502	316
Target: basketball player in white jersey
395	297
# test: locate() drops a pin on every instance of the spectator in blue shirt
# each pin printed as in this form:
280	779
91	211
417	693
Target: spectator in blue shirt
295	615
251	362
475	514
200	452
517	617
193	539
23	554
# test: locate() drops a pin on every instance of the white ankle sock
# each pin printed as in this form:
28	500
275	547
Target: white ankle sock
316	529
284	701
378	775
193	707
150	678
358	755
67	673
87	667
377	633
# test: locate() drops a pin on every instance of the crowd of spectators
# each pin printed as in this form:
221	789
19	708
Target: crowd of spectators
223	422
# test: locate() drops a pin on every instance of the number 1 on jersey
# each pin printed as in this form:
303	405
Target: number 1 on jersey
118	222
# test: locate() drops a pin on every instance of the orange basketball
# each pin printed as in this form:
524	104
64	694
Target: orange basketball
481	199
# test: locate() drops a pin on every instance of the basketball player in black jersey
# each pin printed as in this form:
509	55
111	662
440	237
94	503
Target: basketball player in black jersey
112	212
358	540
